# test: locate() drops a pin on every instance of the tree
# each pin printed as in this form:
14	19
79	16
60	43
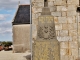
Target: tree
6	43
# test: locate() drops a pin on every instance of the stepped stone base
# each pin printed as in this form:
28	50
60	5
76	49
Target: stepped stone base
46	50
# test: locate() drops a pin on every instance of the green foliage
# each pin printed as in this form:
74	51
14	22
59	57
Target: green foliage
6	43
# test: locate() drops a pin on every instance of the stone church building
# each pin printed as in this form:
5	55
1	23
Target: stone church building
21	29
66	18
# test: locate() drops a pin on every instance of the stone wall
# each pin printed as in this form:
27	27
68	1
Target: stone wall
65	17
21	38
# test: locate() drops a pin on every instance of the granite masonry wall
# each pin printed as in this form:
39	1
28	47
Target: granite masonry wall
65	18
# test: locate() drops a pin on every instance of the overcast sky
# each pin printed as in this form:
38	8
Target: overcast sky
7	11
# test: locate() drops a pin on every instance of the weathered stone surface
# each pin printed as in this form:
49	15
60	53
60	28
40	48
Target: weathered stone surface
52	0
78	19
72	33
64	45
53	9
37	15
68	50
33	16
74	38
71	58
75	2
73	45
58	26
70	26
71	8
61	8
75	53
65	38
57	32
59	3
71	13
65	26
71	19
78	26
79	53
38	1
64	57
64	14
78	32
46	11
62	51
56	13
34	10
50	3
75	26
56	19
78	38
34	32
62	19
35	22
39	9
44	50
39	4
64	33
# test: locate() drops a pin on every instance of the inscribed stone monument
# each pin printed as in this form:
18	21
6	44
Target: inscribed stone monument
46	46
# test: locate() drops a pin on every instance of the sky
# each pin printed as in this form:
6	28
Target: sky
8	9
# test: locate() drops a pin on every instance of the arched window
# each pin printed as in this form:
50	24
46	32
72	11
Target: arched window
45	3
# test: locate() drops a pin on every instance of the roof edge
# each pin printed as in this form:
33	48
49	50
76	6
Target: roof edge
17	10
24	4
15	13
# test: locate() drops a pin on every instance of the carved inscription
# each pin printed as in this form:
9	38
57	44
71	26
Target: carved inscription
46	28
46	46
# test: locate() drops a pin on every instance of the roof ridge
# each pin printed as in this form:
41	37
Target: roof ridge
24	4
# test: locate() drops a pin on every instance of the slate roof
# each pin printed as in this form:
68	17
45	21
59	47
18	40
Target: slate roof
23	15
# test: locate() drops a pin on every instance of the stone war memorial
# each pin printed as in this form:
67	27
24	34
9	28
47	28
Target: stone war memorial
21	29
46	46
56	31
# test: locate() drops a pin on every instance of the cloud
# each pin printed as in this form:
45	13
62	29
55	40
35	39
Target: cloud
9	10
7	31
7	7
11	4
4	16
5	28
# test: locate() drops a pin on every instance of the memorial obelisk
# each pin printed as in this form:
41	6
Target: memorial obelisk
46	46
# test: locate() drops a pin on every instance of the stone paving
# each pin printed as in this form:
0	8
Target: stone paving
9	55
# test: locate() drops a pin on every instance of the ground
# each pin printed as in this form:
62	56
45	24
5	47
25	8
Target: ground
9	55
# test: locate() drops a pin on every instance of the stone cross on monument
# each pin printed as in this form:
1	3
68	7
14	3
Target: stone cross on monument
46	46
